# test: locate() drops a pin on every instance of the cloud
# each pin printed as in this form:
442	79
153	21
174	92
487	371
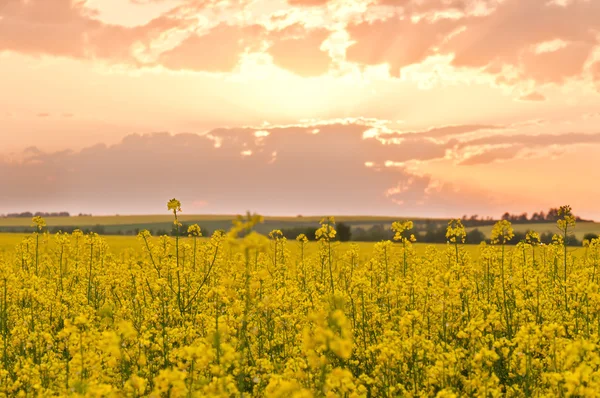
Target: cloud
446	131
308	3
218	50
294	48
514	40
504	147
336	166
397	41
511	36
491	155
532	96
595	68
301	52
69	29
535	140
290	170
436	7
535	39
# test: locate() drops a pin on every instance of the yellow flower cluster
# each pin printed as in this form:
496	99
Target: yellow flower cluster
242	314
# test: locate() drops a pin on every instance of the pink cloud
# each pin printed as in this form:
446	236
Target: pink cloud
532	96
556	66
487	37
133	167
492	155
67	28
397	42
596	71
218	50
509	35
308	3
248	169
426	5
298	50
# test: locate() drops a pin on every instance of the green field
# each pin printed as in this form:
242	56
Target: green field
118	244
128	224
168	218
580	230
121	244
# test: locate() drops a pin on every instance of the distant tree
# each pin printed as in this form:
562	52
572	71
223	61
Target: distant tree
552	215
374	234
519	237
99	229
292	233
344	232
590	236
437	235
475	236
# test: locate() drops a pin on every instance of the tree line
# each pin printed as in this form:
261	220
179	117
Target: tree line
28	214
538	217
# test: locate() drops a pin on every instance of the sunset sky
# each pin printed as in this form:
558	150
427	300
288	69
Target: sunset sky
285	107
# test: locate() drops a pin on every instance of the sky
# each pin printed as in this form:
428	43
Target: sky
434	108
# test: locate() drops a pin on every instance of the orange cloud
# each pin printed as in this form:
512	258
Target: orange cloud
545	41
532	96
420	6
68	28
218	50
287	162
397	42
308	3
134	166
512	33
492	155
298	50
596	71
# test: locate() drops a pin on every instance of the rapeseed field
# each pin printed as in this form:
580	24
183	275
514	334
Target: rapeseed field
243	314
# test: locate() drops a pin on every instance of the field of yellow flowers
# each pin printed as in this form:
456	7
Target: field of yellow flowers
238	315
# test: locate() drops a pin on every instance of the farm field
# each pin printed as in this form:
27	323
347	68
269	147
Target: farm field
581	229
120	244
260	315
161	219
116	224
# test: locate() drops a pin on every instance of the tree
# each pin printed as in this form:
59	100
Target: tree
344	232
475	236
